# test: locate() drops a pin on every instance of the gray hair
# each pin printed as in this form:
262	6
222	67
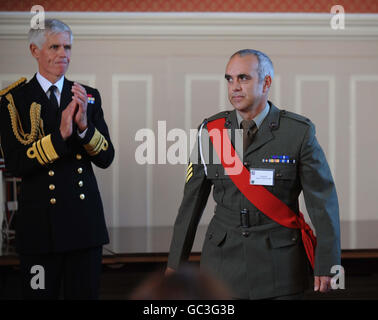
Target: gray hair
265	67
52	26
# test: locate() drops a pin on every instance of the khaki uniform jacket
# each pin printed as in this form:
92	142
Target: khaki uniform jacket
266	259
60	207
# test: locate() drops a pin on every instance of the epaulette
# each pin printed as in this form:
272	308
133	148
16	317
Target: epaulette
295	116
16	84
222	114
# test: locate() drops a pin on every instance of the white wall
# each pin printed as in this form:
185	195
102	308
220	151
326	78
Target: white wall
151	67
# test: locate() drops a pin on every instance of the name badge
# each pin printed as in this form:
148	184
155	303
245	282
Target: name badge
261	177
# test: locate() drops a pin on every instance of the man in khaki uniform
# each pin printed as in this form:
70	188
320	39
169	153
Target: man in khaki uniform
257	257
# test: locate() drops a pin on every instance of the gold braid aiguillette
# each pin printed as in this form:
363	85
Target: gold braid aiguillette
35	122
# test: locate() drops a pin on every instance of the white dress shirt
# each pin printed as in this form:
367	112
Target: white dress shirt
46	84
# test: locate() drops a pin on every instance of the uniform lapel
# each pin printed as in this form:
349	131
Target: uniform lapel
67	94
37	94
232	123
264	134
48	111
233	119
65	100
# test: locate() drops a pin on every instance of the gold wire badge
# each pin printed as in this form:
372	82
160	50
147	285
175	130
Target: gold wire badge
189	172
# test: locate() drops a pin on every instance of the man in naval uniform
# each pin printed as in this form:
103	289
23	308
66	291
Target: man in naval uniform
52	130
248	249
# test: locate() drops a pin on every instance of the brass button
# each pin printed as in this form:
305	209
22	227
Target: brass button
78	156
80	183
52	200
80	170
51	187
51	173
82	196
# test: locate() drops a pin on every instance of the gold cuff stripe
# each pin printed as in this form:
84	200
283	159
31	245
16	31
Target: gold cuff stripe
189	172
43	150
97	149
40	151
97	144
48	148
189	166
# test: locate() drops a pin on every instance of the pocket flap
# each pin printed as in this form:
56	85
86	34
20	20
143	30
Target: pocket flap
215	171
216	236
289	173
283	238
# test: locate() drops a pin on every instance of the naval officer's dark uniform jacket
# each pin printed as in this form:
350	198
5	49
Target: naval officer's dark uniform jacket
266	259
60	207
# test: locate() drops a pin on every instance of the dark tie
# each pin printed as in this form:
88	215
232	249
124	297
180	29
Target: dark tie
53	99
249	131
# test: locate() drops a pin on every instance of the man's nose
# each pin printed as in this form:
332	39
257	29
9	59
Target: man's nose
236	86
62	52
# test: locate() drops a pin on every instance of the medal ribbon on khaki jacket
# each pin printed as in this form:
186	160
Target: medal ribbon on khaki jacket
259	196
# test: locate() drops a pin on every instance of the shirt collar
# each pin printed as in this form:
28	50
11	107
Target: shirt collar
258	119
46	84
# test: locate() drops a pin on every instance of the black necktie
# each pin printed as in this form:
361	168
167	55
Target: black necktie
249	130
53	99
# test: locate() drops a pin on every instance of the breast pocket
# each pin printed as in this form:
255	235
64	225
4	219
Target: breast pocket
282	173
216	174
285	179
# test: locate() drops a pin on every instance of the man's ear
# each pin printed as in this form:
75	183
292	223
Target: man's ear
34	50
267	84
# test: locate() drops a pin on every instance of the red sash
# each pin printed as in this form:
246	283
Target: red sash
259	196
